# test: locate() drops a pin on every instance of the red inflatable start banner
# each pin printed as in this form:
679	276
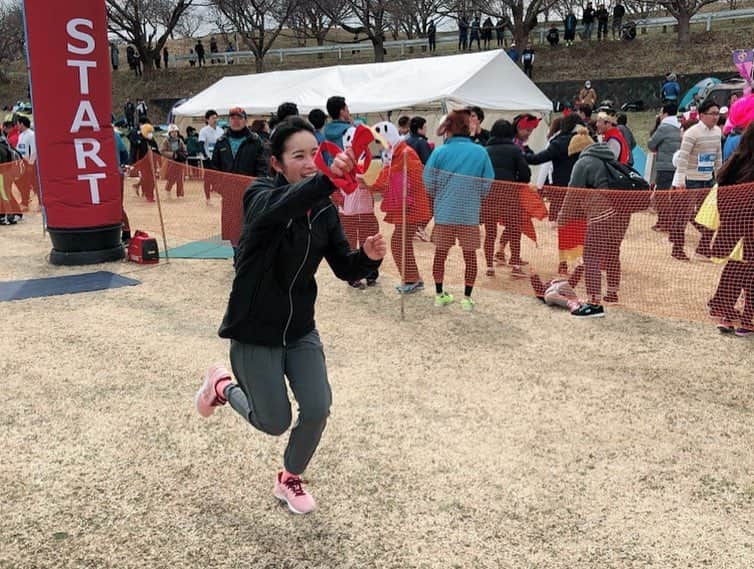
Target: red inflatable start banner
72	103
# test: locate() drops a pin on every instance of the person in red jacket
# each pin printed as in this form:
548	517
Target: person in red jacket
418	210
612	136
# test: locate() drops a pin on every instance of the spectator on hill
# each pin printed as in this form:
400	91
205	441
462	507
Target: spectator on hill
192	58
699	158
500	32
665	142
588	21
527	59
142	109
114	56
513	53
475	30
503	204
603	17
165	56
129	110
618	12
553	36
570	28
318	118
340	120
213	50
487	32
622	122
230	49
463	33
432	36
457	177
199	50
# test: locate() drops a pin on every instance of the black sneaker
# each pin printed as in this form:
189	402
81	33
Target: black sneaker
357	284
371	282
588	310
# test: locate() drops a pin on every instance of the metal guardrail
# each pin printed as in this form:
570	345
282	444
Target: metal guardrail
402	45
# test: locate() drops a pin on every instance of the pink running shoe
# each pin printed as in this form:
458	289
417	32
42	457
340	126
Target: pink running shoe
292	493
206	398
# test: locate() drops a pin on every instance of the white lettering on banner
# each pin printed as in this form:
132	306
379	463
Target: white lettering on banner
85	115
83	66
93	184
92	153
84	37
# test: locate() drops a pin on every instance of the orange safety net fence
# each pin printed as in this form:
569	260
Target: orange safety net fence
614	245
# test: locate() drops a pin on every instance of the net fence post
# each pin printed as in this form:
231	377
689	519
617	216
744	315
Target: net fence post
159	207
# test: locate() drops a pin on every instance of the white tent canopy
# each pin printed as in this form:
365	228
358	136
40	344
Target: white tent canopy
487	79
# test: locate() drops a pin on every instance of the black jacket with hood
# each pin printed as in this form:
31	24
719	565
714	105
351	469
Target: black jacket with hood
287	230
250	158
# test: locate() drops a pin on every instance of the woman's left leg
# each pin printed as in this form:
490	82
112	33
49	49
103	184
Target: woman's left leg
307	375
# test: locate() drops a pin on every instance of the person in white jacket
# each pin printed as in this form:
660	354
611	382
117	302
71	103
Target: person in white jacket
27	148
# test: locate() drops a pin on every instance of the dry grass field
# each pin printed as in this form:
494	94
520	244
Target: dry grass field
513	436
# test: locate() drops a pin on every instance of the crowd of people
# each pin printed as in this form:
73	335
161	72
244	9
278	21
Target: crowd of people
478	177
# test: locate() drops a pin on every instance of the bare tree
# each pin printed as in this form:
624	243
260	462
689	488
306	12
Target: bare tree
11	31
258	22
683	11
189	24
309	21
368	17
146	24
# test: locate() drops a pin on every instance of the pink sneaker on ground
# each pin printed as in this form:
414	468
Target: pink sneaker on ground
206	399
292	493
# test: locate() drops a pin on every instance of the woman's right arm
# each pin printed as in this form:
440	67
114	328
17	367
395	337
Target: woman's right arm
266	204
546	155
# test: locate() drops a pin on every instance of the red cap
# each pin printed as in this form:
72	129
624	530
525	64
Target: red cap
528	123
237	111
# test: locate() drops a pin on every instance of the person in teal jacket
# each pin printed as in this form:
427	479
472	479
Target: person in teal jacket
457	176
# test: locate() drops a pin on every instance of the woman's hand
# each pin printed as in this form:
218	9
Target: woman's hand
343	163
375	247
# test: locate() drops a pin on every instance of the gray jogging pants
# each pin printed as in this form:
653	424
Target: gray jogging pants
261	398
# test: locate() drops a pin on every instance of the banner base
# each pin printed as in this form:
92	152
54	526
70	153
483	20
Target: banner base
87	257
87	246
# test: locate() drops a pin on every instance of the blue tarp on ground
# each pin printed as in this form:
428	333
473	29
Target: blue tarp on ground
69	284
202	250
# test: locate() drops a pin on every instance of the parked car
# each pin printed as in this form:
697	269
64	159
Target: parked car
721	92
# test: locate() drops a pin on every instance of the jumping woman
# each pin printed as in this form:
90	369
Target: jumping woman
290	225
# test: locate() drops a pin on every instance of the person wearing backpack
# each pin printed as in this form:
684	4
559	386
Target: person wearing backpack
606	225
